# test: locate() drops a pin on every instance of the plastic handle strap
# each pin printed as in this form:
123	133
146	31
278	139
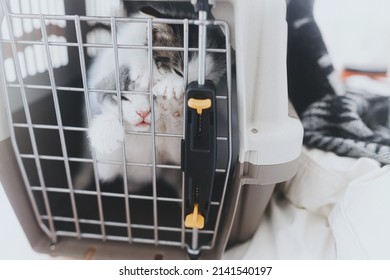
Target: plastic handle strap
203	5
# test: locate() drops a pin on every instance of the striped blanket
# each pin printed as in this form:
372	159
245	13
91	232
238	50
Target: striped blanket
347	122
353	124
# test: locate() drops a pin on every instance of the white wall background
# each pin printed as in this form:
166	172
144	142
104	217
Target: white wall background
355	31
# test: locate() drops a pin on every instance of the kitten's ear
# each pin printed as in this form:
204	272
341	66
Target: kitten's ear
162	33
150	11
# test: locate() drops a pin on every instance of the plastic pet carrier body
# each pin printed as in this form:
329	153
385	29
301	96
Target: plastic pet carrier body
235	135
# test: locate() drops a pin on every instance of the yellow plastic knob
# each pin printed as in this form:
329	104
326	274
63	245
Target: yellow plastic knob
199	104
194	220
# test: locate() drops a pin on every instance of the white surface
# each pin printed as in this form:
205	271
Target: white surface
360	222
13	243
356	31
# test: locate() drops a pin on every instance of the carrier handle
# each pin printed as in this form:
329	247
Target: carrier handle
203	5
199	152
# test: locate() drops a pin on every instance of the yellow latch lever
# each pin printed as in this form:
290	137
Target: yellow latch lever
194	220
199	104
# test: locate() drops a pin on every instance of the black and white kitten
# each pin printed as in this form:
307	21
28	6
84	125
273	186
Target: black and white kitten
106	133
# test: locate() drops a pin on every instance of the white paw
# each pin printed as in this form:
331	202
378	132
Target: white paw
170	86
105	134
173	106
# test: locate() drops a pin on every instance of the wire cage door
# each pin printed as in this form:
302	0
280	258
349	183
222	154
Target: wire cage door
45	68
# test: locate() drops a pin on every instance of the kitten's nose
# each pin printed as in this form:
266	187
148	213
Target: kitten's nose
143	113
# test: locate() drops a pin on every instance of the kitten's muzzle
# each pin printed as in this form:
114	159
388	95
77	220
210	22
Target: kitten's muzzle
144	115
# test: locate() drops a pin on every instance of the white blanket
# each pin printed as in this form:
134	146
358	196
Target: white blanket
334	208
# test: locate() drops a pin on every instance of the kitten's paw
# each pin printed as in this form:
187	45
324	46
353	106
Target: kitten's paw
173	105
170	86
105	134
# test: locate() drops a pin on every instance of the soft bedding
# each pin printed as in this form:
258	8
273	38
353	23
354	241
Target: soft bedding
334	208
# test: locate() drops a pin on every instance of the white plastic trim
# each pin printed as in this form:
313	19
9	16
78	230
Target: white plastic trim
4	132
268	136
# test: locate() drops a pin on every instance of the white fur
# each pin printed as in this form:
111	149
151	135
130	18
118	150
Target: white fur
169	86
108	137
106	132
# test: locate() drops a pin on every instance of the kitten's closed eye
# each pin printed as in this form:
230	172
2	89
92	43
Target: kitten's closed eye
178	73
125	98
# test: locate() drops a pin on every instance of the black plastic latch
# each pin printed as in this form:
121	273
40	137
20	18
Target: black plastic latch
199	152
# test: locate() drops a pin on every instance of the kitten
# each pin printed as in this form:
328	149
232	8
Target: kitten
106	133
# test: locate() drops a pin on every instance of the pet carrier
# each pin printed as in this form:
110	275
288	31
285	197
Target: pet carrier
239	139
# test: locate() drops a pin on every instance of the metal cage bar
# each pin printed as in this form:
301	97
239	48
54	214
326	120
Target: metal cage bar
153	126
89	114
118	94
185	62
60	126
